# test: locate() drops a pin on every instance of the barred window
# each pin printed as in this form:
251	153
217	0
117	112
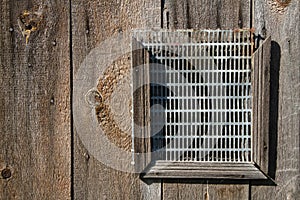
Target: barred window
196	104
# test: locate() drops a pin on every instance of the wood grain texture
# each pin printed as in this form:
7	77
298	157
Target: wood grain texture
178	190
282	23
92	23
205	14
261	104
35	153
196	170
35	100
141	105
209	14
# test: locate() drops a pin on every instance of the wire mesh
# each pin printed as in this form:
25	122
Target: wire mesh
200	94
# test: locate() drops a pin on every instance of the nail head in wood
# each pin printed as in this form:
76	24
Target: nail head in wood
52	100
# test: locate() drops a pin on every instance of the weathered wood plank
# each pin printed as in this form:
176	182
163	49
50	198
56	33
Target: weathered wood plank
205	14
93	22
261	98
281	20
178	190
211	14
194	170
35	100
141	105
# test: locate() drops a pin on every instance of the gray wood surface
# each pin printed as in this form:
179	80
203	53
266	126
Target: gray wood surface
261	104
210	14
92	23
207	191
282	22
141	105
36	161
196	170
203	14
35	150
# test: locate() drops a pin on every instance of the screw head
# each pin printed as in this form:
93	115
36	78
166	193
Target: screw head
6	173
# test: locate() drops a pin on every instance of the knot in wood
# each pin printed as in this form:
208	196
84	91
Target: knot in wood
6	173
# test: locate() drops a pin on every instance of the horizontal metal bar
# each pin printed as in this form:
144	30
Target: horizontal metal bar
179	57
201	123
178	136
207	149
200	111
198	71
207	84
193	44
189	31
199	97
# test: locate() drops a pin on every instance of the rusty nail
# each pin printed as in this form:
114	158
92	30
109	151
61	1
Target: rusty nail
11	29
6	173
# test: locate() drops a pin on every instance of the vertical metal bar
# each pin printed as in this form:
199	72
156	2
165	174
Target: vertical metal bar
201	88
213	91
208	91
241	82
178	75
172	87
248	93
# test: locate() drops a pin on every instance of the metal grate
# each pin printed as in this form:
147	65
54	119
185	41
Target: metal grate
200	94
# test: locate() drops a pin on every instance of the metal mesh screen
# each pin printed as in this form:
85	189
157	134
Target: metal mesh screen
200	94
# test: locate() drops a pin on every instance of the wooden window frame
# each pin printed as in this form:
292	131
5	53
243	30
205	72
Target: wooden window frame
256	170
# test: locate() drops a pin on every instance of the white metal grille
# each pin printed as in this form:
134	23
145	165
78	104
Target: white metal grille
200	94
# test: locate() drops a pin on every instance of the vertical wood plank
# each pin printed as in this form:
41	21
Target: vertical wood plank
177	191
231	192
92	23
182	191
210	14
35	143
205	14
141	105
261	105
281	20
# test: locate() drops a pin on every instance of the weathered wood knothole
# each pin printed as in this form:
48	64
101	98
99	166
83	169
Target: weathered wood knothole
30	21
6	173
279	6
200	104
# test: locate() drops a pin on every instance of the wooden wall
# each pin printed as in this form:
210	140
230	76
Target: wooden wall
42	46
